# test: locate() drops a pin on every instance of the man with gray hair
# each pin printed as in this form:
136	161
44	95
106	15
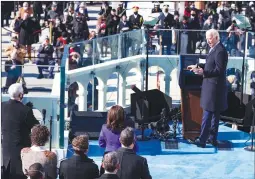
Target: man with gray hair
111	165
214	88
17	122
131	165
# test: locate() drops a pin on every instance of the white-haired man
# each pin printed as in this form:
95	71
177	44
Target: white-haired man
17	121
214	88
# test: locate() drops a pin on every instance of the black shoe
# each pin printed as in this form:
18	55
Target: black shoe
214	143
199	143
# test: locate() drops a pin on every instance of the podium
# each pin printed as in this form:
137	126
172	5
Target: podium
190	85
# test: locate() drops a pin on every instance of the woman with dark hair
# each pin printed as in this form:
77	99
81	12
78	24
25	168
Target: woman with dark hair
35	171
110	132
38	153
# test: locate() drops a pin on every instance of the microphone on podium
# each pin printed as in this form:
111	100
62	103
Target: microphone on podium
44	115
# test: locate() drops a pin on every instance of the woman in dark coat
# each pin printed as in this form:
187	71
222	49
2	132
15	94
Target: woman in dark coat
26	34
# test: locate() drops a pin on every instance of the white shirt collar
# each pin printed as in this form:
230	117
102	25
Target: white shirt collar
214	46
135	15
165	14
109	172
38	148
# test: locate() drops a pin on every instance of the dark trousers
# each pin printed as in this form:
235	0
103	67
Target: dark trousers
45	62
210	126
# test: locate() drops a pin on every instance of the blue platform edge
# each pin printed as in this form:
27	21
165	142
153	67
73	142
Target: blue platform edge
190	161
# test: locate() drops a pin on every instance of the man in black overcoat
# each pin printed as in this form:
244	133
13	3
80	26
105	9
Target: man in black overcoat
214	88
131	165
17	121
79	166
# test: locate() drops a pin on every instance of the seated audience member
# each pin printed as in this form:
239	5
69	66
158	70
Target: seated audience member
38	153
79	166
111	165
137	165
35	171
110	132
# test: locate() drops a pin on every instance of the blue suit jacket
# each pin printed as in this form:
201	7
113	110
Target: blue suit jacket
214	87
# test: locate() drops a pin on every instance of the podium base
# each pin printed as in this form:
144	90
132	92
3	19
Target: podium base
250	148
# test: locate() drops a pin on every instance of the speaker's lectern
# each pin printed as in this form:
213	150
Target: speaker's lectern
190	85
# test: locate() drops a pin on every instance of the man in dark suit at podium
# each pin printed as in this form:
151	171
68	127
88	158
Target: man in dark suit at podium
214	88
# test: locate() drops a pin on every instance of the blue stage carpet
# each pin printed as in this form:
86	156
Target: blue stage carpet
188	161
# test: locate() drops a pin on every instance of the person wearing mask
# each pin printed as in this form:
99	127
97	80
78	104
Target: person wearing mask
184	38
137	165
136	20
193	35
124	26
25	9
38	153
214	83
79	166
112	22
207	25
120	10
16	128
165	20
67	20
35	171
156	8
80	26
111	166
45	58
26	35
105	9
85	11
176	25
52	15
57	30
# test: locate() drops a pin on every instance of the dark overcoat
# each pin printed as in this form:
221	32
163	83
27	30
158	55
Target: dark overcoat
17	121
27	29
214	87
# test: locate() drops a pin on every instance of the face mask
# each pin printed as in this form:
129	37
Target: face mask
65	13
13	43
192	7
166	10
57	22
25	8
81	11
193	15
135	13
252	8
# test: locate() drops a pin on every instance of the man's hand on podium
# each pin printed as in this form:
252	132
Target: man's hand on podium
198	71
191	67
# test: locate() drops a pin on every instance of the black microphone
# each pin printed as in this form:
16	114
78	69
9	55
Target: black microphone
135	89
198	45
203	45
44	115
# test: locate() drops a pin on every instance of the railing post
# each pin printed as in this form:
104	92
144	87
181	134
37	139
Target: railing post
144	42
119	45
94	51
